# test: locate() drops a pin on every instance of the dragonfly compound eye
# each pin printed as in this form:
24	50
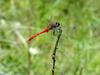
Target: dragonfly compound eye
57	24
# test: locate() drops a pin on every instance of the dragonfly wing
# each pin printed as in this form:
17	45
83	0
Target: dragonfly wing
54	31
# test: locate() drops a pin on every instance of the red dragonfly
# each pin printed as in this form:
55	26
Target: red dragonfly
51	26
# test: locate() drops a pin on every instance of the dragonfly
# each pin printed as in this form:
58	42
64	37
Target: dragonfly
51	26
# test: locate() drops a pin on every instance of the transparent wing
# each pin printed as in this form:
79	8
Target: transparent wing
56	31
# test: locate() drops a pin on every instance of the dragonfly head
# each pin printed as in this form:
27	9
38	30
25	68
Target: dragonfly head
53	25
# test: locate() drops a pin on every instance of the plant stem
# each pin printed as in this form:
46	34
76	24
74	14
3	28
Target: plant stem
30	30
54	52
29	63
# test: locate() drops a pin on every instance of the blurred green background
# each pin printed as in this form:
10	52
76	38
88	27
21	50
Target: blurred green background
79	47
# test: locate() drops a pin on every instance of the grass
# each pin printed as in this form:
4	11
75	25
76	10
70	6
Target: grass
78	52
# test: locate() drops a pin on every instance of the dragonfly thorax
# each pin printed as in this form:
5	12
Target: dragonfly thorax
53	25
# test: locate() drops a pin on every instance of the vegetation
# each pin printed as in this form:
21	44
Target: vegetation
78	52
